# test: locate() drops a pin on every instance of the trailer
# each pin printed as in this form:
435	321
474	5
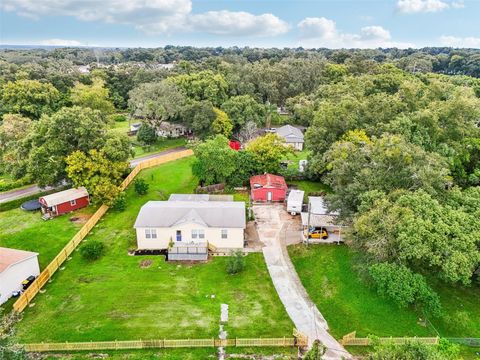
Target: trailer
295	202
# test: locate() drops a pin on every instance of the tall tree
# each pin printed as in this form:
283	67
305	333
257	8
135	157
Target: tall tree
242	109
30	98
267	152
93	96
222	123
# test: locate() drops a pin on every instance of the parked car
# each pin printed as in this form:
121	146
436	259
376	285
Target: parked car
319	233
27	282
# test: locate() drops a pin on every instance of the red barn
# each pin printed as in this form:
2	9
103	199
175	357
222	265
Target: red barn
268	187
64	201
235	145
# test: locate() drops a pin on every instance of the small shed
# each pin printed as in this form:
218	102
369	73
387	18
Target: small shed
268	187
295	201
64	202
15	267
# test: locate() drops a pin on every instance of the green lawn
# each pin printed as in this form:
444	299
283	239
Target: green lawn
27	231
348	304
123	127
114	298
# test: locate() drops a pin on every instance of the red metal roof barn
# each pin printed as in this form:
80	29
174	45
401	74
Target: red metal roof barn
64	202
268	187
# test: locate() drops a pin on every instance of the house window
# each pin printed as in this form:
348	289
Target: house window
151	233
179	235
224	233
201	234
194	234
73	202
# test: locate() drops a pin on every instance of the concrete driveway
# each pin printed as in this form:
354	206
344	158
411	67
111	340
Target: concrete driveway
273	225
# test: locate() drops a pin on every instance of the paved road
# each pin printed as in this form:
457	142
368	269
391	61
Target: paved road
34	189
272	225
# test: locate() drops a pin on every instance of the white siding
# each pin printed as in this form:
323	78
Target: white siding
213	235
11	278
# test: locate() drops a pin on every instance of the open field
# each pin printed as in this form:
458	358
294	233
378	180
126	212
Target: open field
115	298
348	304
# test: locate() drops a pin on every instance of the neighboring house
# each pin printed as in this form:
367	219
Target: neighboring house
189	227
15	267
295	201
318	216
172	130
135	127
64	202
293	136
268	187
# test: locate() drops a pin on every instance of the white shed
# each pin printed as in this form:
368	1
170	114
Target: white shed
295	201
15	267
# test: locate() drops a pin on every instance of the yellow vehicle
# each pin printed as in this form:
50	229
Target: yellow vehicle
318	233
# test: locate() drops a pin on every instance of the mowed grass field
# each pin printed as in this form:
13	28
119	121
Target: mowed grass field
116	298
349	304
26	230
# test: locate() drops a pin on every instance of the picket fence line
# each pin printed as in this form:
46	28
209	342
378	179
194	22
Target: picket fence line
28	295
165	343
352	340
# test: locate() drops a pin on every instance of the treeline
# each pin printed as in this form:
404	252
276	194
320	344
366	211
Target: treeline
431	59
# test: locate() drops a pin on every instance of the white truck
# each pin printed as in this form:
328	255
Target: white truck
295	201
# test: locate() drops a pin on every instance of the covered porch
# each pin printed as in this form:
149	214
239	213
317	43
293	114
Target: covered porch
182	251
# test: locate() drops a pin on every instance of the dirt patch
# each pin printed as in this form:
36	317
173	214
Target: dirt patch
80	218
145	264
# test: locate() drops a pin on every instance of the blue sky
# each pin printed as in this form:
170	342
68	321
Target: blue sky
264	23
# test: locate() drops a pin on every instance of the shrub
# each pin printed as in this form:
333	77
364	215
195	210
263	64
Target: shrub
146	134
92	250
316	352
141	187
120	203
236	263
400	284
118	117
412	350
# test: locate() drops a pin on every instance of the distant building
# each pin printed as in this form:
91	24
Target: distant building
293	136
15	267
172	130
268	187
64	202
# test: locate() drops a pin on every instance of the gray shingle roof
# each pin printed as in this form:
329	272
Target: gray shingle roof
291	134
221	214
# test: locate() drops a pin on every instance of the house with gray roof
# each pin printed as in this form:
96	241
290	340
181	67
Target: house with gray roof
190	226
293	136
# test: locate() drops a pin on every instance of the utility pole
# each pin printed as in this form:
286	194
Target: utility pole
308	221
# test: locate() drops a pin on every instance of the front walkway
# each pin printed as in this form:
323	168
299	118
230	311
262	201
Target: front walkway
273	223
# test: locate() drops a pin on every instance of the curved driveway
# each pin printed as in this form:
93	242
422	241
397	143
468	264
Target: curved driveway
272	224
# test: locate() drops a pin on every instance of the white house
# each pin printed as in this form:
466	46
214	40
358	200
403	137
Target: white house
293	136
15	267
194	225
172	130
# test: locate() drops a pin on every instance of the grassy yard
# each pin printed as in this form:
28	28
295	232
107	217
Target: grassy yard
328	274
27	231
123	127
116	298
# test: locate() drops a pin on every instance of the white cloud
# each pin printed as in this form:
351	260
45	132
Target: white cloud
458	4
460	42
323	32
427	6
419	6
238	23
60	42
153	16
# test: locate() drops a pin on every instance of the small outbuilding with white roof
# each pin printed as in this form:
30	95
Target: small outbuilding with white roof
64	202
15	267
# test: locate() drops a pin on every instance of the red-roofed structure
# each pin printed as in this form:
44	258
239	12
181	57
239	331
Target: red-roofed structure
268	187
234	144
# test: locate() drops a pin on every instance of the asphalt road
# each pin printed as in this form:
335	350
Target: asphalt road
35	189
